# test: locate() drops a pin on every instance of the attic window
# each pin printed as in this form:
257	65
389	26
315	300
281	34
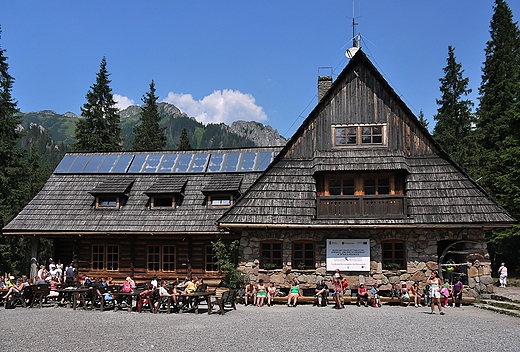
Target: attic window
359	135
112	194
163	201
107	202
167	193
220	200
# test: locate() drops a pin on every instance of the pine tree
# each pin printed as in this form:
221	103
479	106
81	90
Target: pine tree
498	126
454	117
498	122
149	135
99	130
184	142
422	120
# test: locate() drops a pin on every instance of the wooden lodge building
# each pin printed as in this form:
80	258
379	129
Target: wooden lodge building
360	168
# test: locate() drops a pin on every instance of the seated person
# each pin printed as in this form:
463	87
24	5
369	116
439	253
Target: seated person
15	288
54	286
375	296
405	295
250	292
271	293
414	291
426	294
322	291
261	293
188	286
338	292
163	292
39	281
362	293
294	293
395	291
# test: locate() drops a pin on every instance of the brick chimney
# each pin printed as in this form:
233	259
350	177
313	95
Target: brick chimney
324	84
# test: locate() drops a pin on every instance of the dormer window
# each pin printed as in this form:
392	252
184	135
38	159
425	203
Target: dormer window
167	193
359	135
221	190
112	194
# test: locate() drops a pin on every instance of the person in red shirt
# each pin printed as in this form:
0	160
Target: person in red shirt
362	293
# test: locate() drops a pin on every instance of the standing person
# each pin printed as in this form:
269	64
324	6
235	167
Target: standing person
69	275
456	292
294	293
435	294
502	271
338	292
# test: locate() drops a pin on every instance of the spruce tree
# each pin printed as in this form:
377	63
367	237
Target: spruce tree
498	126
454	116
98	129
184	142
422	120
149	135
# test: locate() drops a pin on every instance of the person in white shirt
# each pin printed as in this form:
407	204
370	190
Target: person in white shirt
502	271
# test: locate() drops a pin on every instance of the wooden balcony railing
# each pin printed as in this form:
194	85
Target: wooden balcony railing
383	206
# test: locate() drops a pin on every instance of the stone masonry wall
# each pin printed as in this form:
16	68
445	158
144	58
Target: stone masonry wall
422	257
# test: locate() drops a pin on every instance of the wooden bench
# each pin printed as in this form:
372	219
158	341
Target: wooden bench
351	299
225	297
40	293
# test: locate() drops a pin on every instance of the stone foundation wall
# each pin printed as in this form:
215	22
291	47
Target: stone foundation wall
421	250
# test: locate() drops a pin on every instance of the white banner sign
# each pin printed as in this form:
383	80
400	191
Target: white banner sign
348	255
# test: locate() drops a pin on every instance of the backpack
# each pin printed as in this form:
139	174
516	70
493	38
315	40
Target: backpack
126	287
10	304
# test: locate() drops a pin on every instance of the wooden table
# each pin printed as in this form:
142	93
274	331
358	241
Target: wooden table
80	294
193	299
127	296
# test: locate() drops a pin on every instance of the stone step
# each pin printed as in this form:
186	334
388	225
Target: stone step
503	298
502	304
511	312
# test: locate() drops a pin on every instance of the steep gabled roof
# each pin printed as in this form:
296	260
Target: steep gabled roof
438	192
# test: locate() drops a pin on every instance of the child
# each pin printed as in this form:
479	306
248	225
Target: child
271	292
375	296
426	293
405	296
445	292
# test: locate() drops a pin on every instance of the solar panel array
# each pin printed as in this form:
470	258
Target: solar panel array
166	163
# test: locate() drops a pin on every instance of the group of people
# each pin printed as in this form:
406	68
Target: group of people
260	294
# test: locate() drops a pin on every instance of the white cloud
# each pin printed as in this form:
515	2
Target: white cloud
122	102
220	106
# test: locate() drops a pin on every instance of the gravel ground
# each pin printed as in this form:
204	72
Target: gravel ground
277	328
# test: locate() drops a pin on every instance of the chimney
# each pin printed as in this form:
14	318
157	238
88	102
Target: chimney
324	84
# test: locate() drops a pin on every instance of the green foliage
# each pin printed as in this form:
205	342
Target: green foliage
184	142
454	117
149	135
422	120
226	254
498	127
99	130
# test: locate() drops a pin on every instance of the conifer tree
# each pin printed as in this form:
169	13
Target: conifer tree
149	135
454	115
184	142
99	128
498	126
498	122
422	119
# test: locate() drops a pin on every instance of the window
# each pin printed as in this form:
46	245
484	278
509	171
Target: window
303	255
221	200
105	257
394	254
161	258
271	255
358	135
341	187
210	259
376	186
162	202
107	202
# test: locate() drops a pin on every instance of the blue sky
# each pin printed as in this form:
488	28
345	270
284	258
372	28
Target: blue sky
222	61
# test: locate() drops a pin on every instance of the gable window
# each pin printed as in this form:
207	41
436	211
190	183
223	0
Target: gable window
358	135
220	200
210	259
271	255
105	257
303	255
163	201
394	254
161	258
107	202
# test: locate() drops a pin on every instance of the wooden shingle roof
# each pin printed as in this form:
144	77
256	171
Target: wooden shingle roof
115	186
223	184
168	185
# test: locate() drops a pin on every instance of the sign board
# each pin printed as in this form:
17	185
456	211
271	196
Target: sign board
348	254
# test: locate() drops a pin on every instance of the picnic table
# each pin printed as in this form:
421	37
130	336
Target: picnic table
128	298
191	301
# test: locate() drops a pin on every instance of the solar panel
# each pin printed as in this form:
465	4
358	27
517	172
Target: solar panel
184	163
65	163
165	162
122	164
232	162
215	162
168	162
